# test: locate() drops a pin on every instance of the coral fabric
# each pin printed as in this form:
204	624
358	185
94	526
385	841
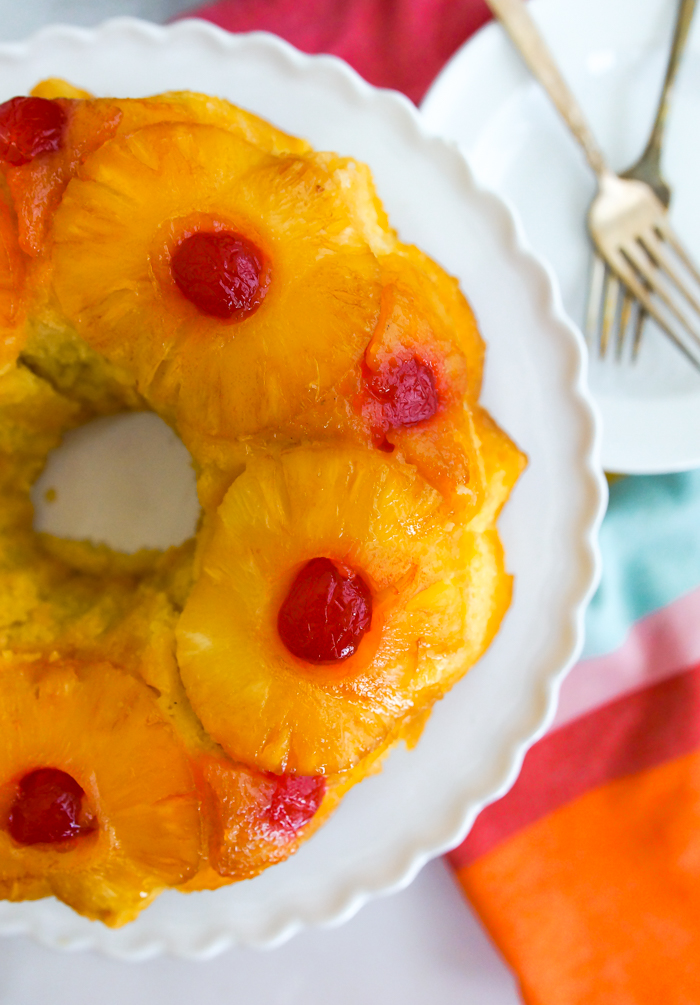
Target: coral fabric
401	44
598	902
656	647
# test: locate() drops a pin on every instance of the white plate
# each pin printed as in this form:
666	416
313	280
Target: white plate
425	801
613	52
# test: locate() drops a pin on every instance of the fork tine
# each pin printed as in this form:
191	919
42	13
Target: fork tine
611	291
638	328
595	296
668	234
659	256
640	261
625	314
626	272
630	277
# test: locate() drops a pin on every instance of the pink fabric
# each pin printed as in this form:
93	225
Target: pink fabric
657	647
401	44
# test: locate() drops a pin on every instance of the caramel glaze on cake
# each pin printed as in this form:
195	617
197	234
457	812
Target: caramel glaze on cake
186	718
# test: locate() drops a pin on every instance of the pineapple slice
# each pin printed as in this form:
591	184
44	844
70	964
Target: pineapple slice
418	387
436	593
414	391
255	819
445	306
139	200
38	186
133	828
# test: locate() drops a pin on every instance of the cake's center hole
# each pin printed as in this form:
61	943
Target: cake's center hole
125	481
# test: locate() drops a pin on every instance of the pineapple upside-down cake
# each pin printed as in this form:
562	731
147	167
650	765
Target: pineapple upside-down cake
186	718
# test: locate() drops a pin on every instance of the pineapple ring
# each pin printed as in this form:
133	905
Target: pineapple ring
247	832
74	716
137	197
438	593
445	448
37	187
423	319
255	820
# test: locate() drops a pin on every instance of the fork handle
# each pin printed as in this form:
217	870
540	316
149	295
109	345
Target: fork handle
524	33
686	9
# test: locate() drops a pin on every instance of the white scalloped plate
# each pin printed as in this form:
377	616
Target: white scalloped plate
425	801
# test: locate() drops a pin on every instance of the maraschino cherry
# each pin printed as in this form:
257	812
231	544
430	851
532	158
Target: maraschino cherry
29	127
325	614
401	394
220	272
406	391
47	808
295	800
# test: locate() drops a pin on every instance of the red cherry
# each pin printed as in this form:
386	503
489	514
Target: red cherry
47	808
325	613
28	127
220	273
295	800
406	393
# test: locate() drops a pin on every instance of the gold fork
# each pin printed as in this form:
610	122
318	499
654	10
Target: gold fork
604	290
626	220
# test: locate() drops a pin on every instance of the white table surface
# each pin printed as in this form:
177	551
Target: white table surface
421	945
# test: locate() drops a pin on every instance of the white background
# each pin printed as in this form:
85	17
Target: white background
422	945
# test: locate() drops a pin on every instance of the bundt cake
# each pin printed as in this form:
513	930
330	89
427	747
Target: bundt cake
185	718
